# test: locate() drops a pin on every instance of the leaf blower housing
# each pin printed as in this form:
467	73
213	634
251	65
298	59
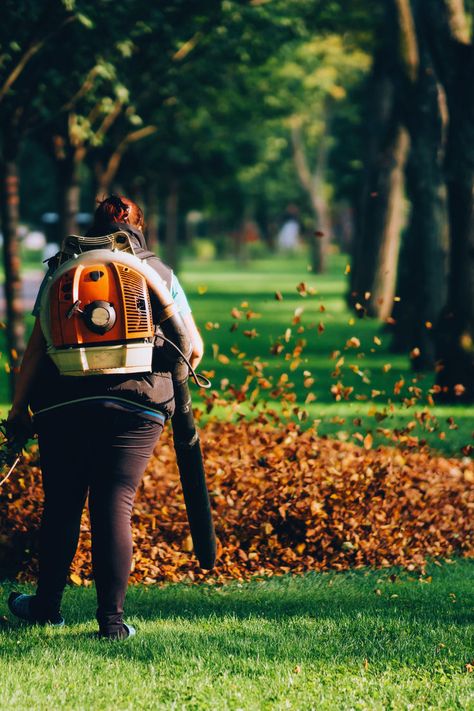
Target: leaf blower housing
96	314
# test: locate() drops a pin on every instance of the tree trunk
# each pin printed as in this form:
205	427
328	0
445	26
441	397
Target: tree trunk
386	148
392	216
102	183
106	169
189	230
423	272
455	342
453	56
134	189
69	196
240	247
313	183
320	240
9	206
152	218
171	231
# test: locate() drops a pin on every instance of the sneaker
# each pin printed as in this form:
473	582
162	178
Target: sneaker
126	632
20	606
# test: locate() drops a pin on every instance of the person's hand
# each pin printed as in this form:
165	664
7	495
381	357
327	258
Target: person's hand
196	357
19	424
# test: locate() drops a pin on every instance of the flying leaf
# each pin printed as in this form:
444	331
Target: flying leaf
368	441
353	342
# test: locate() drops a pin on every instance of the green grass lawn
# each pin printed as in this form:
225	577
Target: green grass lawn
360	640
215	288
323	641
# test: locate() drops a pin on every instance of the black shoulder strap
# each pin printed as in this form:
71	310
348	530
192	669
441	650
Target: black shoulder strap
145	254
53	262
165	272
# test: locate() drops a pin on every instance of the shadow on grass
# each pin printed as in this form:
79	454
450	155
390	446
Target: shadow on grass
325	596
445	592
342	618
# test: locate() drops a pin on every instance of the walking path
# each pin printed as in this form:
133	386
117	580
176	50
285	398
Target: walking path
30	285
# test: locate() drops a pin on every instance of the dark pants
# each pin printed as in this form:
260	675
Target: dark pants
103	453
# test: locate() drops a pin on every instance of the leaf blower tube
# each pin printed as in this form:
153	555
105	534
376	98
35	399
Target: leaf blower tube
185	435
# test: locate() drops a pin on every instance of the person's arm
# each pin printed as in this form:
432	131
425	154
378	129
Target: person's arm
196	340
19	418
185	310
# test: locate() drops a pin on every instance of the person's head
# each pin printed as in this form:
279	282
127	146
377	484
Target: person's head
118	208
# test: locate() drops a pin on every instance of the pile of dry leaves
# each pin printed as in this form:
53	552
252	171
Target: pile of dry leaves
285	500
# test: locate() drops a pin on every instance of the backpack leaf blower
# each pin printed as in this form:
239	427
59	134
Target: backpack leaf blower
96	319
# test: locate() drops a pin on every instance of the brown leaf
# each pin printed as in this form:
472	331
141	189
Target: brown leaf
285	500
368	441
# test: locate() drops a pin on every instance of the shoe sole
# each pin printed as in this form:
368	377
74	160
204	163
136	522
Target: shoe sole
11	601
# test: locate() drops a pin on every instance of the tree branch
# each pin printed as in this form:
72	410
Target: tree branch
457	20
408	40
106	176
299	155
187	47
109	119
33	49
207	27
448	38
82	91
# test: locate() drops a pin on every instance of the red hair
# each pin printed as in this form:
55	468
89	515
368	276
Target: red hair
118	208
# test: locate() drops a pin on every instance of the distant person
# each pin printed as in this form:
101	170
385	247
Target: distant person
288	238
251	232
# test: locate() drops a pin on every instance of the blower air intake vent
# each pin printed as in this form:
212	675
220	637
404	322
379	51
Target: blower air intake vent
138	316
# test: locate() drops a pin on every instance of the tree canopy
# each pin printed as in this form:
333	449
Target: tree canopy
237	108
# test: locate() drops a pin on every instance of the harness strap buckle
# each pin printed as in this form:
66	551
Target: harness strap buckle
167	312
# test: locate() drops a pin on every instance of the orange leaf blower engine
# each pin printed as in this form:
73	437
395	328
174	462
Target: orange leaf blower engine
96	311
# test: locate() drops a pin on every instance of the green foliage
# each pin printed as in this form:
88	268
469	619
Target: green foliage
306	86
208	103
202	249
218	84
